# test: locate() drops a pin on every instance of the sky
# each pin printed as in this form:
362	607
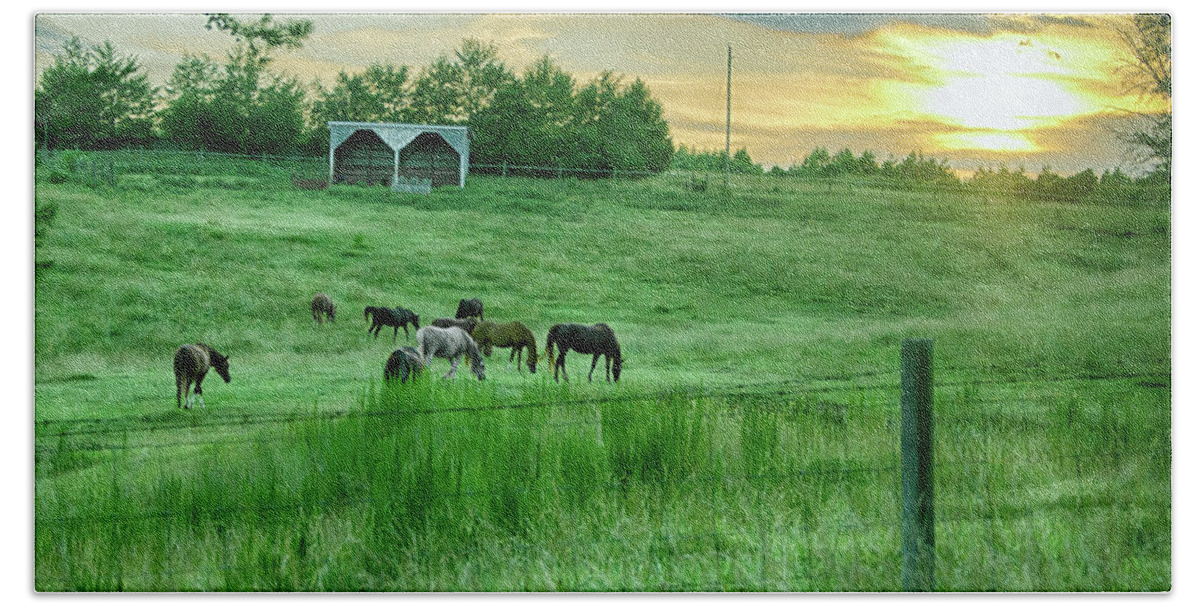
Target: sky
975	89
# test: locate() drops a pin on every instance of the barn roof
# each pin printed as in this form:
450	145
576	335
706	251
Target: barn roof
399	135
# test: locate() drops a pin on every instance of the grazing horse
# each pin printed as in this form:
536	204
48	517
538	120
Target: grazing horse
449	343
322	306
191	364
392	317
469	308
403	364
594	340
507	335
467	325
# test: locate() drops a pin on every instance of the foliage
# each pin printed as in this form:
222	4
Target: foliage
93	98
1112	187
380	94
228	107
1147	72
686	159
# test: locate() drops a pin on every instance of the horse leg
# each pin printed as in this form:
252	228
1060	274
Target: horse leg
453	367
561	363
396	332
607	368
595	358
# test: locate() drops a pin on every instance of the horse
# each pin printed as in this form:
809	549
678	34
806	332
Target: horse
191	364
450	344
467	325
392	317
469	308
322	306
594	340
403	364
512	335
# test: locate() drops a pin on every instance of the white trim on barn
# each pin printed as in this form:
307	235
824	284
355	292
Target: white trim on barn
397	136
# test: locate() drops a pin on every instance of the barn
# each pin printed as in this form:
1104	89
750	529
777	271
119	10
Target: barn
392	154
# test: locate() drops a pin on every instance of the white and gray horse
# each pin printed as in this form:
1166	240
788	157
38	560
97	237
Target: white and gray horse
449	343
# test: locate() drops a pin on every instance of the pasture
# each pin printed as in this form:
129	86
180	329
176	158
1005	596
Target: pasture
751	443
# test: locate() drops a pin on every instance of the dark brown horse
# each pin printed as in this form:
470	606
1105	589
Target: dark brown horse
403	364
322	307
191	364
467	325
395	318
594	340
512	335
469	308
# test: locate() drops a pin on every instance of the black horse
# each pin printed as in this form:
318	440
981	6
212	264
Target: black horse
469	308
467	325
392	317
594	340
403	364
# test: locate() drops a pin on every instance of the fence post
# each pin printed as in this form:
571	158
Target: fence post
916	464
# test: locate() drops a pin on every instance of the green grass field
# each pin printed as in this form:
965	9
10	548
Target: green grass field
752	443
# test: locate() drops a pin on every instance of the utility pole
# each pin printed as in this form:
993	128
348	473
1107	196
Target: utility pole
728	109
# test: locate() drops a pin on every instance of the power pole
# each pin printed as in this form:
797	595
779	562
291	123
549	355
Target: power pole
728	109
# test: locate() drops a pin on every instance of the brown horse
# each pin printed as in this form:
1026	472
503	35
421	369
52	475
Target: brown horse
512	335
403	364
322	306
191	364
594	340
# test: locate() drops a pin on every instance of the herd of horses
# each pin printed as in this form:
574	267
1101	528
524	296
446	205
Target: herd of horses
467	335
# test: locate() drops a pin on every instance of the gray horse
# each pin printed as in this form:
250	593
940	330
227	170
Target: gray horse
451	344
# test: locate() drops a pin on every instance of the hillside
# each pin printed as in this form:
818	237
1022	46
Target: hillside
750	445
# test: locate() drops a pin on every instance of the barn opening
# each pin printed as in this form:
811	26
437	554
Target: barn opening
390	153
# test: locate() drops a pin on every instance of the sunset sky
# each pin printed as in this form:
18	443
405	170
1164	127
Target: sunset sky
978	90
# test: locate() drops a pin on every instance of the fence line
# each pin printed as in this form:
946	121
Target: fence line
772	388
201	155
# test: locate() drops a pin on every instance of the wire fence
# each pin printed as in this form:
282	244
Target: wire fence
104	167
792	387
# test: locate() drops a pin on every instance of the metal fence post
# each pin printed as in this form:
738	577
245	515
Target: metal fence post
916	464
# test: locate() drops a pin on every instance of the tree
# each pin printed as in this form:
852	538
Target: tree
1147	71
380	94
227	108
188	117
91	97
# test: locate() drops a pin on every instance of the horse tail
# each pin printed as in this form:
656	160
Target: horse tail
551	338
533	354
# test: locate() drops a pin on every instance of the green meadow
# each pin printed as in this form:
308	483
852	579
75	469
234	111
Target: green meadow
751	445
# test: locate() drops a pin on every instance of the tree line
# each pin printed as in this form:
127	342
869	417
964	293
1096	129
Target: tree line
92	97
916	170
